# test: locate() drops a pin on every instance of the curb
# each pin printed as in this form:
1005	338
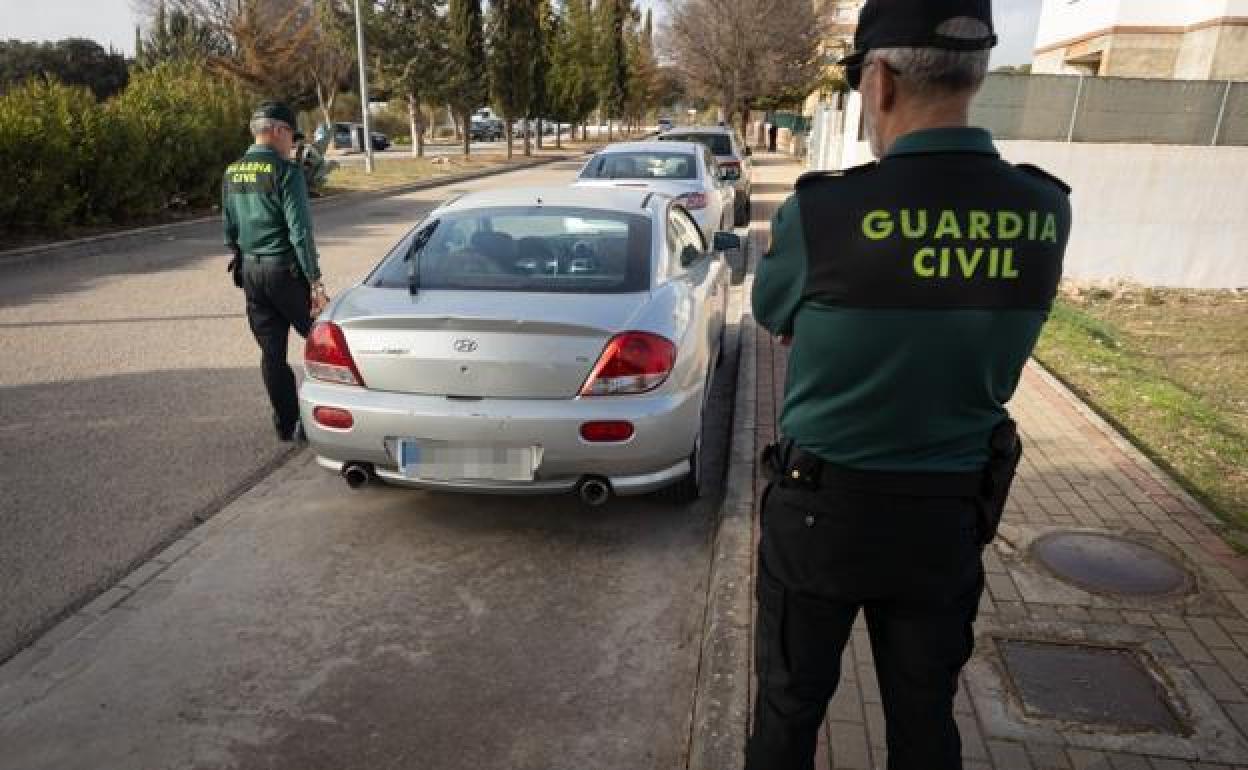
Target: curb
721	704
111	242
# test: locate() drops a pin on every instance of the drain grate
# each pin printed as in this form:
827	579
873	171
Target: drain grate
1102	686
1105	563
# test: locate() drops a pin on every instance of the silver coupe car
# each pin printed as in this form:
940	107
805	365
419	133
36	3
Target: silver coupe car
526	341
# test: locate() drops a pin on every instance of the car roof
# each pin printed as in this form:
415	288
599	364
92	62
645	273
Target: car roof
655	146
603	198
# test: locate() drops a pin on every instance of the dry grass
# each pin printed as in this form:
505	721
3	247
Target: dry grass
1170	367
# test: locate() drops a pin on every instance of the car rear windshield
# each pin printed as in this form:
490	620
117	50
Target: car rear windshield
537	249
642	165
720	144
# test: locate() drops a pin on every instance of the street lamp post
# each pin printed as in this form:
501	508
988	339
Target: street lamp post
368	132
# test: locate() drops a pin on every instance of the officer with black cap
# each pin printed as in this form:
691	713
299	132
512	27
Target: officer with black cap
912	291
269	228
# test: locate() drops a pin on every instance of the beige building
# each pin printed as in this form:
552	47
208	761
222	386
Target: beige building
1181	39
842	20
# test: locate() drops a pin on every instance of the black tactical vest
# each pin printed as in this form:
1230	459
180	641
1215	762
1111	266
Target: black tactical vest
957	230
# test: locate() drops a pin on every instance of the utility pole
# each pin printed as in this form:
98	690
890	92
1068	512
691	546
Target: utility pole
368	132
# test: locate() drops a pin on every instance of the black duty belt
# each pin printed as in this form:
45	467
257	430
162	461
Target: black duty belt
270	259
788	465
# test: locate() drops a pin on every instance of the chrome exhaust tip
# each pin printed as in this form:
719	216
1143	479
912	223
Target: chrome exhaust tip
594	492
357	474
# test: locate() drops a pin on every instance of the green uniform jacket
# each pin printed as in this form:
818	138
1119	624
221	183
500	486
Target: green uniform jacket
264	203
914	293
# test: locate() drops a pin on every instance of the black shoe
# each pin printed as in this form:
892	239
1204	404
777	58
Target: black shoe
293	434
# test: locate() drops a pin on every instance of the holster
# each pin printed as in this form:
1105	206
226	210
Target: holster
1005	452
235	268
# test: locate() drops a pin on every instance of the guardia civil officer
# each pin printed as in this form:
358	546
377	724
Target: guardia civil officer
269	229
913	290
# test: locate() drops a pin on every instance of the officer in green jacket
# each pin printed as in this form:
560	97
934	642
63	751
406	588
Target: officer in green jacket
269	229
912	291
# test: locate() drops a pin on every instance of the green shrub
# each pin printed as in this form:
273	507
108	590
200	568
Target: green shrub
162	142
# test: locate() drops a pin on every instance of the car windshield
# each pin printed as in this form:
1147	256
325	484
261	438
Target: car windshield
642	165
720	144
538	249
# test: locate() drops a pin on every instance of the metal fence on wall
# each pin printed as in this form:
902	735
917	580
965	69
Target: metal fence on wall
1066	108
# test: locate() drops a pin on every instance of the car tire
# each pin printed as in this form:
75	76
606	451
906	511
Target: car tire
689	489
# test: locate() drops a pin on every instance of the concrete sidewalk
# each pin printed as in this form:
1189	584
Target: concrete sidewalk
1069	673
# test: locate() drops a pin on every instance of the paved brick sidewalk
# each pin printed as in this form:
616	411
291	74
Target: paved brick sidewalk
1078	474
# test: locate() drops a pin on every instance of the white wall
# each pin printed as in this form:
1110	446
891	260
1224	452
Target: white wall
1062	20
1159	215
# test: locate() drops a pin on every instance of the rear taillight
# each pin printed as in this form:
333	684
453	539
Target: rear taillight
327	357
633	362
691	201
331	417
607	431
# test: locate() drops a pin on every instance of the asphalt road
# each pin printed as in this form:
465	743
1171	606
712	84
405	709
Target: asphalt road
131	399
313	626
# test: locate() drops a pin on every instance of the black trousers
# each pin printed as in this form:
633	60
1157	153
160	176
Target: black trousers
912	565
278	298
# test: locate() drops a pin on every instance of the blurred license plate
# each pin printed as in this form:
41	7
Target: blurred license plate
457	462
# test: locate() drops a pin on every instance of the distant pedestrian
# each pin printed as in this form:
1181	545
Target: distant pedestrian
913	290
264	203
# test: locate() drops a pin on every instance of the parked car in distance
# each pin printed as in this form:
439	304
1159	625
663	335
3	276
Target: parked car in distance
684	170
525	341
732	155
665	124
380	141
486	130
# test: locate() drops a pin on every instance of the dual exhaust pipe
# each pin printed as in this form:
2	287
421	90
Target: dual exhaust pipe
593	491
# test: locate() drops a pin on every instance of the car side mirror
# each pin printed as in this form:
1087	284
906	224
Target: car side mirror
689	255
725	241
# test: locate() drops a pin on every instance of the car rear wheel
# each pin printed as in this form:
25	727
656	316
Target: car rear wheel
688	489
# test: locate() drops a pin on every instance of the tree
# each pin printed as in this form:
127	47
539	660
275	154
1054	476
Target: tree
272	44
612	16
540	103
330	69
73	61
643	70
719	49
466	86
512	30
178	36
409	46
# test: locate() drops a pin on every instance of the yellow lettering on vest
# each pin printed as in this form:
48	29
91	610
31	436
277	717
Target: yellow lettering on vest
948	226
1033	220
921	269
877	225
1009	225
1007	266
994	262
978	229
1050	229
944	262
970	262
916	229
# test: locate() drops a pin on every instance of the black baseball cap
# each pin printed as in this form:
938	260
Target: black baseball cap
913	24
279	111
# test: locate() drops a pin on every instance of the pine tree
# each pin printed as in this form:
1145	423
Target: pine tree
612	56
512	30
466	83
409	46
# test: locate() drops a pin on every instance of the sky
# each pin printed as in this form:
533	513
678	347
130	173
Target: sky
112	22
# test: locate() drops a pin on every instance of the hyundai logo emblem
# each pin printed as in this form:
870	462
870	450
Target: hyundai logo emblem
465	346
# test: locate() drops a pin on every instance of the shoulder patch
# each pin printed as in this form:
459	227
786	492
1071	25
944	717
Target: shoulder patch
1040	173
815	176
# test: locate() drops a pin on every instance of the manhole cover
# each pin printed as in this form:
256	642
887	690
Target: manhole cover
1092	685
1109	564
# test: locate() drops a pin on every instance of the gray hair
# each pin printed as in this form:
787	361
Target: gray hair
264	125
940	70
